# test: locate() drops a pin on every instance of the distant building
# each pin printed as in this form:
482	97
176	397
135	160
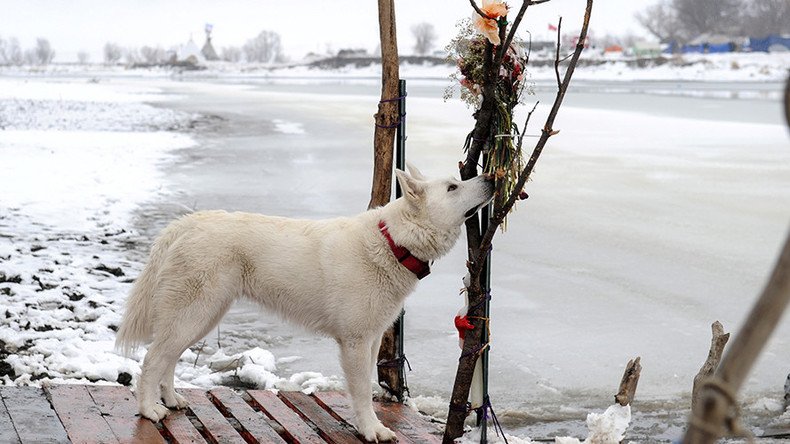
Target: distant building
771	43
190	53
208	49
645	49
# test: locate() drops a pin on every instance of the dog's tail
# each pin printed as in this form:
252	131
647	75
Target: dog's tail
137	323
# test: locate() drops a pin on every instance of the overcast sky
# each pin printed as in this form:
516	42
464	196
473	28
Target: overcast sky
304	25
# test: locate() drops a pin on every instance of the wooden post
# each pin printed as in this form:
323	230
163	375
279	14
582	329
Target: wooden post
714	415
387	120
387	116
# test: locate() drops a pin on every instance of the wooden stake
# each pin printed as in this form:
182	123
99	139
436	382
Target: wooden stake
717	343
625	395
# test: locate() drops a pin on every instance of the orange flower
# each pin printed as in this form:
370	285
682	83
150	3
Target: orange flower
488	26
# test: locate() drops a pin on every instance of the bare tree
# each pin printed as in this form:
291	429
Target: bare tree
43	52
265	48
132	56
14	52
112	53
4	60
83	57
29	57
231	54
424	37
662	21
709	16
152	55
767	17
682	20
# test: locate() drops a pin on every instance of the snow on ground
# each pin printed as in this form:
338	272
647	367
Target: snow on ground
77	159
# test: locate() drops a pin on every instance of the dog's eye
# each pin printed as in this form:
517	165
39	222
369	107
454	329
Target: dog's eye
452	187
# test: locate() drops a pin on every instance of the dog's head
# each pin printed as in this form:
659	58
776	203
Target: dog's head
444	204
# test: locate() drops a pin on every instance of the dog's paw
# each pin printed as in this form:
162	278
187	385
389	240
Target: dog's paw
174	401
154	412
377	433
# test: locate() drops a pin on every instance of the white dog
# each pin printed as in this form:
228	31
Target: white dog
346	278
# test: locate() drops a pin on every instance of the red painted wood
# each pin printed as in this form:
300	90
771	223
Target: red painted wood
216	425
118	407
7	430
180	429
294	426
329	427
80	416
256	424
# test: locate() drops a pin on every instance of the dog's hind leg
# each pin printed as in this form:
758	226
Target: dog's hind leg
171	399
356	360
155	365
181	327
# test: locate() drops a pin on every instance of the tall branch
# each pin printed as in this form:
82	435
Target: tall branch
547	132
478	247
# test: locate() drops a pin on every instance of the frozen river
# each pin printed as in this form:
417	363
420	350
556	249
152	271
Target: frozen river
658	209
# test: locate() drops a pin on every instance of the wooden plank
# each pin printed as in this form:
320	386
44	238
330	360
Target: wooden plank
7	430
329	427
33	418
118	407
406	421
180	429
217	427
338	403
255	424
294	426
80	415
407	425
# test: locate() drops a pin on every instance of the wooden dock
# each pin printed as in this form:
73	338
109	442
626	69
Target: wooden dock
108	414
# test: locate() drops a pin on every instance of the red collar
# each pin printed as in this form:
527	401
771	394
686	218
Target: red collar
418	267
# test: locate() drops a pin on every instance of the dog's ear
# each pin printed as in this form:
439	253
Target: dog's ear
415	173
411	187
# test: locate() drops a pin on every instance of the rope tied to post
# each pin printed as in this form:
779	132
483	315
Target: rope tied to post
732	426
401	116
397	362
483	411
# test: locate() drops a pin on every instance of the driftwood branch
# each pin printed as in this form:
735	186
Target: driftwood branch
625	394
478	247
716	412
718	341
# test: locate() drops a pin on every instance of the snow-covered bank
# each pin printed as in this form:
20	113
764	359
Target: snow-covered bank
746	67
77	160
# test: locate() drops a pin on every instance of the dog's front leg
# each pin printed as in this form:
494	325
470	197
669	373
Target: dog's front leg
356	359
